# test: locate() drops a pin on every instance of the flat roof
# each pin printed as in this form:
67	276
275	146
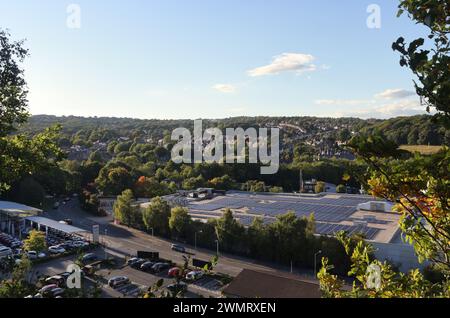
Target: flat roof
253	284
55	225
16	208
332	212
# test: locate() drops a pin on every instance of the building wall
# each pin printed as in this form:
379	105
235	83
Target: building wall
399	253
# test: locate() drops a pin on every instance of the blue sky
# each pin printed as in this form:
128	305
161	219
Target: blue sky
213	59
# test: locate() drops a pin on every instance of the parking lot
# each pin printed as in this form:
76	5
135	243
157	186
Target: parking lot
139	280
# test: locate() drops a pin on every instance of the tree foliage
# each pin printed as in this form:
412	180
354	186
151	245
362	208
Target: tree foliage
430	66
35	242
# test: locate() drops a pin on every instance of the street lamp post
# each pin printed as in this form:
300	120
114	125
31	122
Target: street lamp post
217	247
104	242
315	261
152	231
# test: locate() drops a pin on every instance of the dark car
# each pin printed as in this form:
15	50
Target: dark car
159	267
88	258
56	280
178	248
137	263
118	281
68	221
147	266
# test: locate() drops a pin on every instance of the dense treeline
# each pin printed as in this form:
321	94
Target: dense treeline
414	130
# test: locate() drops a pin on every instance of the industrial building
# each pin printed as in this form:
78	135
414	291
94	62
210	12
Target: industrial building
333	212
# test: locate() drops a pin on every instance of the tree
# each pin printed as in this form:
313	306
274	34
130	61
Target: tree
341	188
35	242
222	183
13	88
156	216
29	192
230	232
150	187
344	135
96	156
179	221
319	187
124	209
276	189
18	285
419	185
22	156
429	66
114	180
387	284
193	183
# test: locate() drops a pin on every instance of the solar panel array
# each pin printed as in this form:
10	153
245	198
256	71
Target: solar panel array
322	209
327	211
332	229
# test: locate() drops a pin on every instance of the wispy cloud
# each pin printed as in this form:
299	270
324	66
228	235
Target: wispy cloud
343	102
225	88
398	108
286	62
395	93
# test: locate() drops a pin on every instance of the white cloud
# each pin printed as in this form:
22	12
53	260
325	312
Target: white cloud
225	88
284	63
343	102
394	94
399	108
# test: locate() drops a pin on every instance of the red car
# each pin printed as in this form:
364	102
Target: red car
174	272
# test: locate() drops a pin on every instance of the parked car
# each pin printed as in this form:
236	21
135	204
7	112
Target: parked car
117	281
132	260
32	255
178	248
5	252
89	257
138	263
177	287
147	266
194	275
78	244
56	249
56	280
68	221
173	272
44	291
159	267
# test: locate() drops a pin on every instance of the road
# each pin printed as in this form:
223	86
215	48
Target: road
122	240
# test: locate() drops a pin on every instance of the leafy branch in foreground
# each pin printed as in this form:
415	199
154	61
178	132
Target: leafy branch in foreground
431	66
390	283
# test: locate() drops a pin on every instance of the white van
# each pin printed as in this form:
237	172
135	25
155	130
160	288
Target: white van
5	252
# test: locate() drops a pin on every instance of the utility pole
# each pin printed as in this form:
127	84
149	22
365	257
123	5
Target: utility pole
301	181
104	243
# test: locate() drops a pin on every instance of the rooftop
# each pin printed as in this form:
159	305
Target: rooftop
69	229
13	208
253	284
332	212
